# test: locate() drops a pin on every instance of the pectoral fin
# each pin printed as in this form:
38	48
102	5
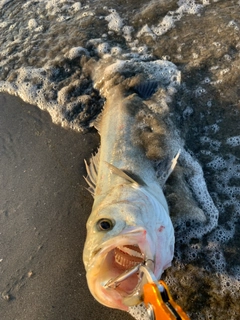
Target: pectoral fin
169	169
146	89
173	163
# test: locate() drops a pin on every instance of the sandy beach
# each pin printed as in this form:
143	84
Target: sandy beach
44	208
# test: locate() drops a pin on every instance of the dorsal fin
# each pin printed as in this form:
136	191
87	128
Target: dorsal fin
92	172
146	89
121	174
97	122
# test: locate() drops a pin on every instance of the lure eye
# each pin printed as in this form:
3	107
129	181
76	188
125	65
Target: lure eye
105	225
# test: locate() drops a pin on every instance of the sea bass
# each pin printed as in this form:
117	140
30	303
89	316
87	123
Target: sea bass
129	223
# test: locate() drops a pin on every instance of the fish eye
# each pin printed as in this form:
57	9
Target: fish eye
105	224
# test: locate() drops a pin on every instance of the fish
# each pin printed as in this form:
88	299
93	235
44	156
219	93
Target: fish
129	223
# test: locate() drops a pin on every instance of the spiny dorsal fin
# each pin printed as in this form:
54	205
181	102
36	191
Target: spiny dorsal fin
92	172
97	122
121	174
146	89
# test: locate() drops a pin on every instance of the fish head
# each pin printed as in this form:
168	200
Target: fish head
120	235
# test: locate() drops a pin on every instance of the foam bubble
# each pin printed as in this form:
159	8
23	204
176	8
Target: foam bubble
76	6
233	141
187	112
199	188
139	312
145	30
142	49
103	48
116	51
214	128
168	21
200	91
115	23
224	71
163	71
213	144
77	52
217	163
166	24
32	24
127	33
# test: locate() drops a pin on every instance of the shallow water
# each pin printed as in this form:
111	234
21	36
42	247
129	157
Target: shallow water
43	60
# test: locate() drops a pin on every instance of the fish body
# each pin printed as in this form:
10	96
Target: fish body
129	222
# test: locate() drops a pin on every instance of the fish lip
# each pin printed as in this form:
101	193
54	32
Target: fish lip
117	298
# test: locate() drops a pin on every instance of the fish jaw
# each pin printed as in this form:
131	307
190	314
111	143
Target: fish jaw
105	267
114	257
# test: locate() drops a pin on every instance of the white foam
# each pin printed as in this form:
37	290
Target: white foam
187	112
116	51
76	6
168	21
103	48
166	24
209	103
146	30
212	129
217	163
115	23
163	71
200	91
198	185
77	52
142	49
32	24
214	144
233	141
127	33
139	312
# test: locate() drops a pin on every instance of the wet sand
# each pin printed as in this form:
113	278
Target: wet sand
43	212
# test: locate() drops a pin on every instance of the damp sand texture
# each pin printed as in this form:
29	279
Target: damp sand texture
44	208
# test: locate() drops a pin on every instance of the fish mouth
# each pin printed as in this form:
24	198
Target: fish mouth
115	257
124	258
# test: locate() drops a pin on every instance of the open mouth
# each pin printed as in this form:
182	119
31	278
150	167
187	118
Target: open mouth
121	259
114	275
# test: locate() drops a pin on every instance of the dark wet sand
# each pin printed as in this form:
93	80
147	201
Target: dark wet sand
43	210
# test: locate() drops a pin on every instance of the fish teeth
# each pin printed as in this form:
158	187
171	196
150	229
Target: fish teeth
128	256
132	251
